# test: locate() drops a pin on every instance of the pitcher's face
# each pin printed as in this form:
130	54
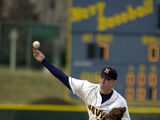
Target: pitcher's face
106	84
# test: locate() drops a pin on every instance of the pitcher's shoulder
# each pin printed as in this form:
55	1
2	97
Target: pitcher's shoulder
120	97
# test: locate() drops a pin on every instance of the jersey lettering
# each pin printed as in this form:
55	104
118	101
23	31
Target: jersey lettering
96	111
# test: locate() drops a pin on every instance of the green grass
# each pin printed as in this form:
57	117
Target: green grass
25	86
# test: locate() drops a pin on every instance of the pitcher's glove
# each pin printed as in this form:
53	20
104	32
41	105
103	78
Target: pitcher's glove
115	114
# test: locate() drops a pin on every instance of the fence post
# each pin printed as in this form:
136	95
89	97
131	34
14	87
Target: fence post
0	40
13	42
29	47
56	52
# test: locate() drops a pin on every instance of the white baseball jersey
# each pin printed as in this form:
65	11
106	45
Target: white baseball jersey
90	94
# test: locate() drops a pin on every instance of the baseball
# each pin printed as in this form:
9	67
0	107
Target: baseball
36	44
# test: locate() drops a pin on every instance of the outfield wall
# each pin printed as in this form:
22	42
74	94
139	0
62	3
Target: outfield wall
63	112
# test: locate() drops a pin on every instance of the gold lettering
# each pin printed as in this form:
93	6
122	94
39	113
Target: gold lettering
104	22
93	110
100	7
98	112
75	15
148	5
92	10
124	17
131	13
85	13
87	37
101	24
149	39
101	38
89	106
140	11
102	114
89	76
118	20
111	22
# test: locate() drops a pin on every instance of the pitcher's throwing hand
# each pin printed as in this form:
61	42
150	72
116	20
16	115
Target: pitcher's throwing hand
38	55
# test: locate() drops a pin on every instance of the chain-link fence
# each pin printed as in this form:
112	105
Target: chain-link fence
24	34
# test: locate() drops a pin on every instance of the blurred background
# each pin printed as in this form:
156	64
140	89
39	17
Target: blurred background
81	38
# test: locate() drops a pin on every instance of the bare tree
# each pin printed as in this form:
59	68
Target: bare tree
1	5
19	10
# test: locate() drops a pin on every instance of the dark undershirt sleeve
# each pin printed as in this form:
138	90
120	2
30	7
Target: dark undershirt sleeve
57	73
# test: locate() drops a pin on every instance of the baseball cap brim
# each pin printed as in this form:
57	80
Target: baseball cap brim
106	76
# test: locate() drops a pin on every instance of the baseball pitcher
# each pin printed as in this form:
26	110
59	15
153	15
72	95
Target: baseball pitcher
102	101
